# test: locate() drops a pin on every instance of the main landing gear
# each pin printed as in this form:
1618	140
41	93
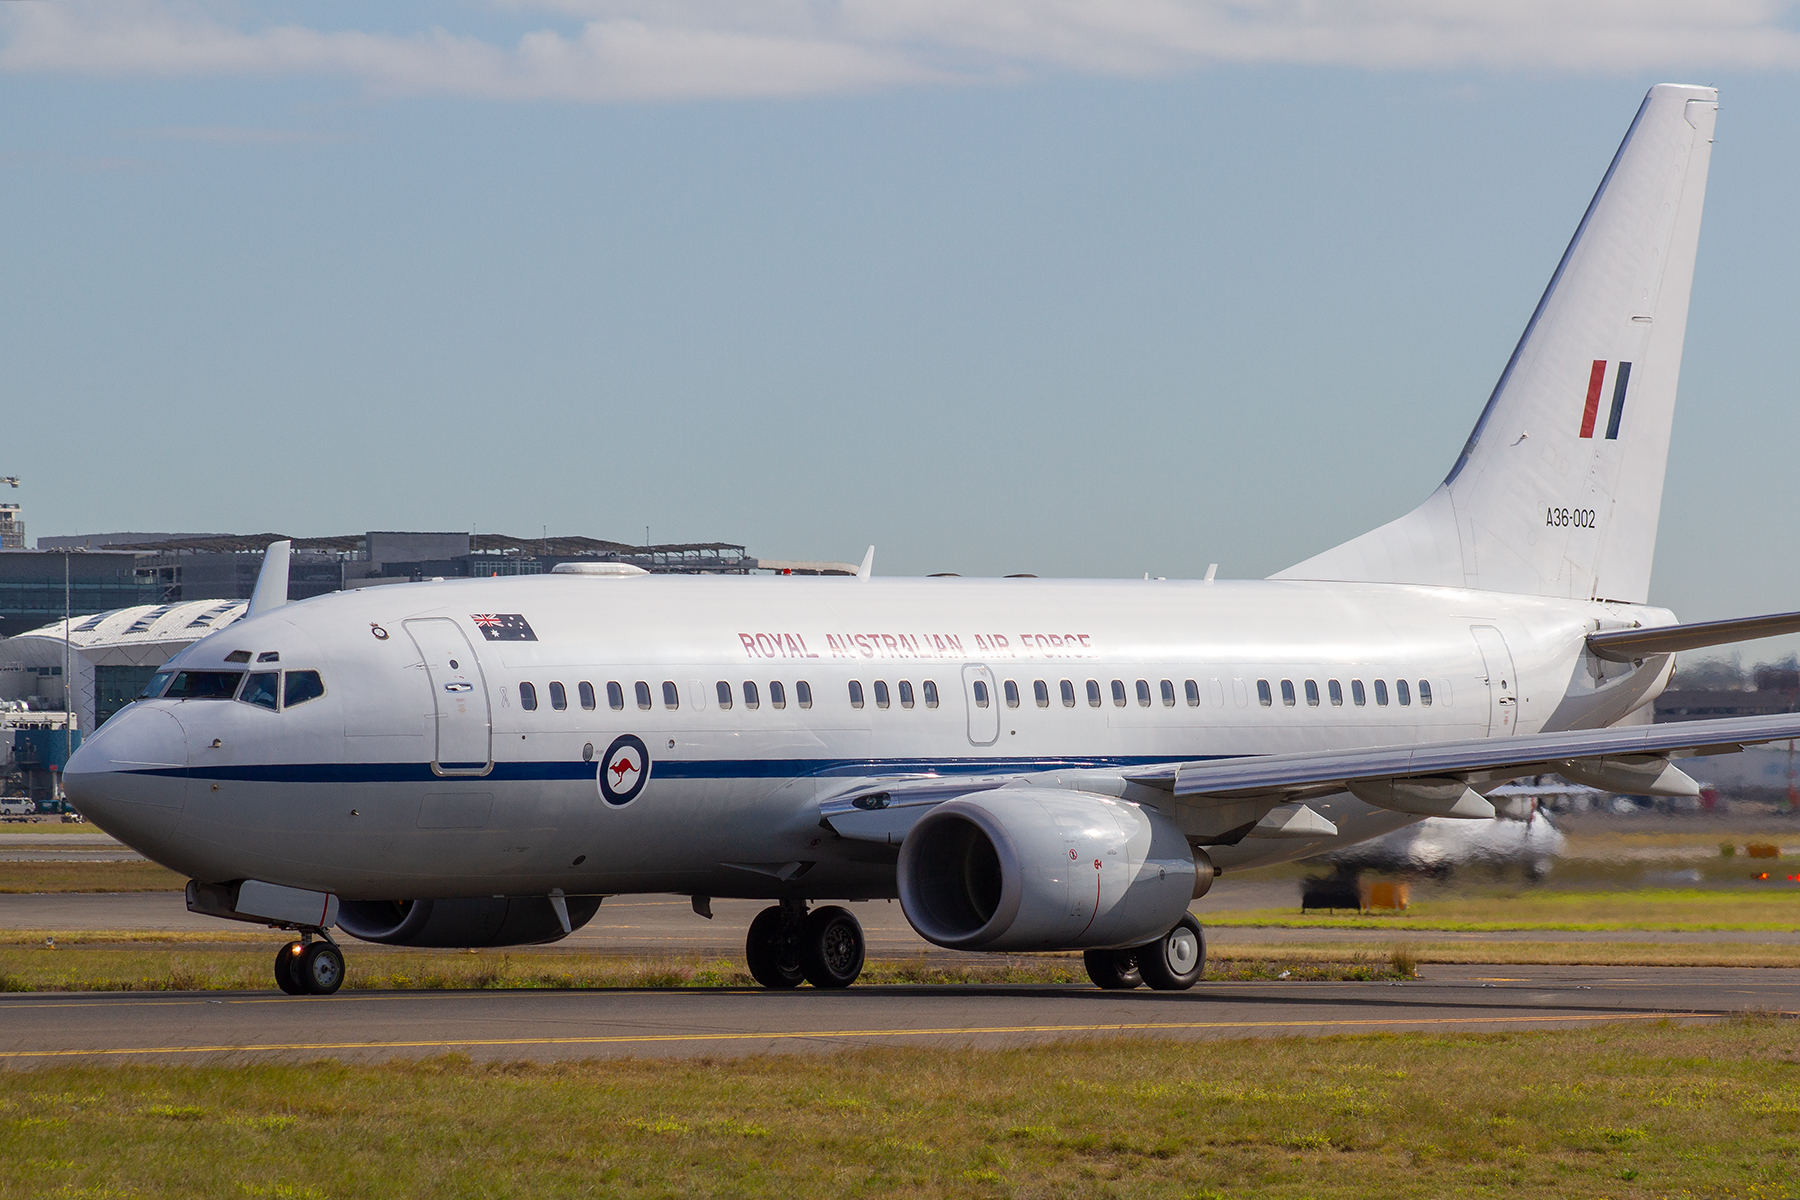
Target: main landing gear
309	968
1172	963
788	945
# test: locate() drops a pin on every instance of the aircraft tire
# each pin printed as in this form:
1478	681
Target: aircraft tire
1175	961
287	959
1114	970
831	947
770	952
321	969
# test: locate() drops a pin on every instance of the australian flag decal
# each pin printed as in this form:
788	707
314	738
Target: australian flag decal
503	627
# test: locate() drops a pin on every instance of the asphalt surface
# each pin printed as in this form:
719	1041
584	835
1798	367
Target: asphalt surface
40	1029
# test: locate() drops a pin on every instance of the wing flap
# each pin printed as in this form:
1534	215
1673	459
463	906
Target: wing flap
1629	645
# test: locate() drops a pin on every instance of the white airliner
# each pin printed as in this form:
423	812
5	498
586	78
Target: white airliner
1028	765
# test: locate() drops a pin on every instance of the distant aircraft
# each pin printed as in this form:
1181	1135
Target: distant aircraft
1028	765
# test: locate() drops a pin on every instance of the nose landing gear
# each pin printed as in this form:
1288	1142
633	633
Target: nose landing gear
787	945
309	968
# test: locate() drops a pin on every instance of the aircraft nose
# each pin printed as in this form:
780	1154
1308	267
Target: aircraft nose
130	778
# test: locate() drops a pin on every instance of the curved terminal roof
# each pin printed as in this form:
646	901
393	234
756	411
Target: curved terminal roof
140	625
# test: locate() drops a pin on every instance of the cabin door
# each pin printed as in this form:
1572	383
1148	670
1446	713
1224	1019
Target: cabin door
459	697
1503	683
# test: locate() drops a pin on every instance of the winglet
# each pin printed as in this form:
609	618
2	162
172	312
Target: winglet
272	582
868	566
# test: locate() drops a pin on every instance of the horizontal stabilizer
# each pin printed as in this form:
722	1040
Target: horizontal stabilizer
1629	645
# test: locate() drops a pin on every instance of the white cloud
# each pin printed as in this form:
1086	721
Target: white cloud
608	50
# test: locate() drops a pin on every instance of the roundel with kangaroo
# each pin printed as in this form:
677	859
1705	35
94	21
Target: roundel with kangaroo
624	770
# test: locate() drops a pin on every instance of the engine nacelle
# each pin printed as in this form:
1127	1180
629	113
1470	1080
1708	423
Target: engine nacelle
1044	869
504	921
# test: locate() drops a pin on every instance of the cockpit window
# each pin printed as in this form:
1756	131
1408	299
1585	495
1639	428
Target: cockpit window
263	689
204	685
301	687
155	687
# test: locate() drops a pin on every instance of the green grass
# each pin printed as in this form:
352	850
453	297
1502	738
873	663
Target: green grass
1481	910
1619	1112
63	876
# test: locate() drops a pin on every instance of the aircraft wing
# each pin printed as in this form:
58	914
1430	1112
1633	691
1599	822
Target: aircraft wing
1478	760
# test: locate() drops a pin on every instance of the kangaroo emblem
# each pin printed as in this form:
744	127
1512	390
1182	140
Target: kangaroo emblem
620	769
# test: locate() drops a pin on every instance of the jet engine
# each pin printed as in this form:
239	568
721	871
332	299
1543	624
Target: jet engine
1045	869
501	921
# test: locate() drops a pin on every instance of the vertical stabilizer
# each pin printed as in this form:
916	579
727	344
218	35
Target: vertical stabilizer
1559	489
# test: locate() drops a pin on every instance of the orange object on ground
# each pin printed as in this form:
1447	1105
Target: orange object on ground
1763	850
1387	895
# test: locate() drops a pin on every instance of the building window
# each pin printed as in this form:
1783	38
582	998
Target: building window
1263	694
1424	693
1381	692
931	696
1040	691
559	698
642	690
803	693
777	694
751	699
1335	690
1012	693
671	694
528	697
586	691
906	693
1312	694
856	693
881	694
1356	693
1093	691
980	689
1287	692
1068	694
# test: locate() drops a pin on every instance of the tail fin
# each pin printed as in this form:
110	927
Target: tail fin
1559	489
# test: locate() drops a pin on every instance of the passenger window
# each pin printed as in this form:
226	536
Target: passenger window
803	693
1381	692
931	696
586	691
528	697
1336	691
1068	694
1168	693
1356	693
856	695
1040	691
1143	693
777	694
723	691
981	694
1263	696
1218	693
1191	688
1402	692
1287	692
262	689
1012	693
671	694
559	698
906	694
1424	693
301	686
643	694
1118	693
1093	691
881	694
751	699
1312	694
615	696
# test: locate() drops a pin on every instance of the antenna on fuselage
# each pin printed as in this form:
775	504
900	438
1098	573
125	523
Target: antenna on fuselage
868	566
272	581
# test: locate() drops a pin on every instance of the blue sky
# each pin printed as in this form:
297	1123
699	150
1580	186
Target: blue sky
1071	289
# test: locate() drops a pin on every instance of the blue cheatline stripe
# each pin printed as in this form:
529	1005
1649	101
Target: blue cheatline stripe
1618	409
739	768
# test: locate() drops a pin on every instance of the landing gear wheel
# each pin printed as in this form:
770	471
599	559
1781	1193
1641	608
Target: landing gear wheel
1174	961
831	948
287	962
321	969
770	951
1114	970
